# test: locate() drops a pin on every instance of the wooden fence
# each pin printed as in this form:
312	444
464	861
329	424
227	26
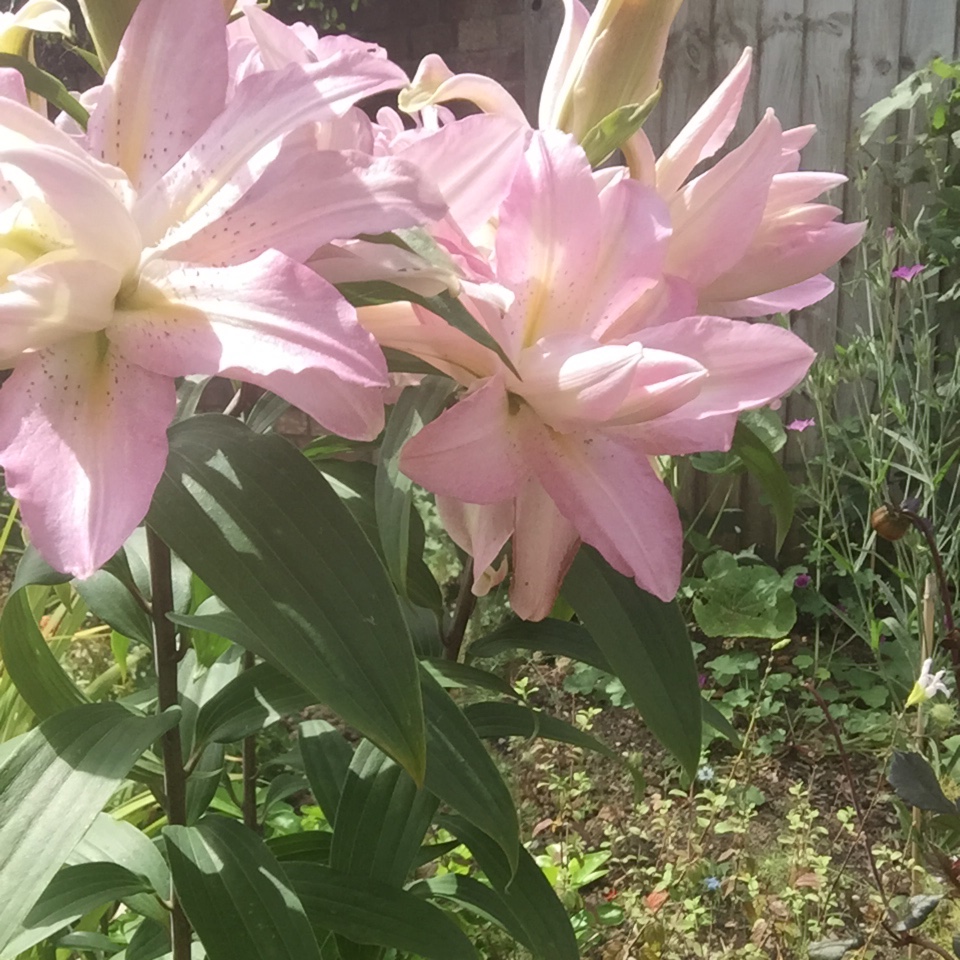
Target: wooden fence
816	61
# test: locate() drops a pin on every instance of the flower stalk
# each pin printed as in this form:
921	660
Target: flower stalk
166	657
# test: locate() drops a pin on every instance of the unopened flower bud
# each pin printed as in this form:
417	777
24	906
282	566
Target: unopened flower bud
617	63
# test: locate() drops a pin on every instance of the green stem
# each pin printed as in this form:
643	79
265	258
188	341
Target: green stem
166	658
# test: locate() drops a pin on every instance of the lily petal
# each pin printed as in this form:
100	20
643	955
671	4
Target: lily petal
83	443
472	162
575	19
748	364
607	489
12	86
163	90
54	300
306	198
795	297
472	451
548	240
479	529
784	253
734	191
707	130
270	322
436	83
636	228
544	545
99	224
227	159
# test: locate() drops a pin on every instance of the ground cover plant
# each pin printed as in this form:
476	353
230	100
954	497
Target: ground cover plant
380	697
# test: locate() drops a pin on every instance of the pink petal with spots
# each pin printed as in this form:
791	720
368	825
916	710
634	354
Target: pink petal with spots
164	89
306	198
232	153
634	242
271	322
83	444
548	240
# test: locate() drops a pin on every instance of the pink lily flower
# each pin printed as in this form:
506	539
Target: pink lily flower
747	240
162	244
562	453
773	261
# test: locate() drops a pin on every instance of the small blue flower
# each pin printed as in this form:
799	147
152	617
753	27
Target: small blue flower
712	883
706	774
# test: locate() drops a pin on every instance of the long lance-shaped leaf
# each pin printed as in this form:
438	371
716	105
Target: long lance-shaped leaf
236	894
355	483
759	461
481	900
326	760
462	774
47	86
373	293
258	697
382	819
492	720
262	528
107	20
572	640
394	491
52	787
365	911
645	641
557	637
526	894
72	892
35	671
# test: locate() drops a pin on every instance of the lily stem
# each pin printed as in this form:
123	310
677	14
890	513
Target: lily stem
249	766
466	601
166	657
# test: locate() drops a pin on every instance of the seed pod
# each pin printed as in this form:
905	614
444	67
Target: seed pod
889	522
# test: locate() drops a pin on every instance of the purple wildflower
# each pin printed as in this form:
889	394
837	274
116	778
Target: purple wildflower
802	581
798	426
907	273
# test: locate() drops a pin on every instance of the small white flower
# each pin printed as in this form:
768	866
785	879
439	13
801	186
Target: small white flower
927	685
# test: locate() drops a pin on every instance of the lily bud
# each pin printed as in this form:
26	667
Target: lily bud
618	62
43	16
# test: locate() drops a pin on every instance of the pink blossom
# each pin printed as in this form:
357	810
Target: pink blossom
162	243
907	273
561	452
798	426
